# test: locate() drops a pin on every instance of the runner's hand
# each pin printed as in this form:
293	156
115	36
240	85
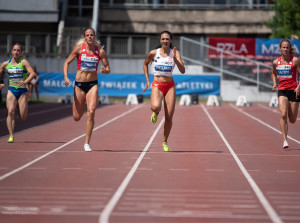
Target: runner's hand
297	90
147	86
67	81
174	52
103	70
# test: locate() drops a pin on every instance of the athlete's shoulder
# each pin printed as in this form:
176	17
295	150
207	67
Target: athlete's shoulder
154	51
77	49
296	59
24	61
151	55
4	64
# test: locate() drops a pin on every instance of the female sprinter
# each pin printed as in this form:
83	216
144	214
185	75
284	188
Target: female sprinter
285	68
163	86
88	52
17	93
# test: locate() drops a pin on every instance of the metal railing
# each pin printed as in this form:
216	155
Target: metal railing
231	66
188	4
45	45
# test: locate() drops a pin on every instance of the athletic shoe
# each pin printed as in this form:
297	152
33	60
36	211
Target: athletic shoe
166	147
87	148
154	117
285	145
10	139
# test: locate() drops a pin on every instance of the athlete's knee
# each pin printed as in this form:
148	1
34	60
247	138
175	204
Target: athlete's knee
292	120
76	117
91	113
169	119
155	108
284	116
11	113
23	117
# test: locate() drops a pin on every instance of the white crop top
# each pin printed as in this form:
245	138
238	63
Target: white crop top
163	66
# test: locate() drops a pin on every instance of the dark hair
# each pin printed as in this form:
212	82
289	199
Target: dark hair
18	44
171	36
292	50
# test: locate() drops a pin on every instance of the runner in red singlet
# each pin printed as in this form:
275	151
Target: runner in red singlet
89	53
286	68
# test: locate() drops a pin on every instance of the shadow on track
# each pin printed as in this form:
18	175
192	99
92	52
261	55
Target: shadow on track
38	114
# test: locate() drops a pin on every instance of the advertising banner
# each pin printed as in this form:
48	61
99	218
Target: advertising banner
270	47
239	46
120	85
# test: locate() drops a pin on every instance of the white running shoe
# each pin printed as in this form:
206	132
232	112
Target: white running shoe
285	144
87	148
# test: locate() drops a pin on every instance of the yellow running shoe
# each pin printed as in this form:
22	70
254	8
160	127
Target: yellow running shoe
10	139
154	117
166	147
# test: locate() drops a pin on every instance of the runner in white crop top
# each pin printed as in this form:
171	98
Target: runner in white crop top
163	60
163	66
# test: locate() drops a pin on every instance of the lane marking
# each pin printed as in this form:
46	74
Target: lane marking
261	197
180	169
263	123
36	168
286	171
72	168
104	216
107	168
216	170
64	145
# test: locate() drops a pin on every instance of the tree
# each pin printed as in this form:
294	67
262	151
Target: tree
287	20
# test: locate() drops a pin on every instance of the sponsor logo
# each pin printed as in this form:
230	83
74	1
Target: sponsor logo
233	48
163	68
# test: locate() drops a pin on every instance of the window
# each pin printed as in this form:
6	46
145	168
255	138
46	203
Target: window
119	45
138	45
82	8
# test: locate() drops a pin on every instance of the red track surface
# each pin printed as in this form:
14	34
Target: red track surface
226	165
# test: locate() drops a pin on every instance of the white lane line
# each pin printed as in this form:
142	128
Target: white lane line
261	197
107	168
180	169
64	145
72	168
263	123
215	170
36	168
286	171
104	216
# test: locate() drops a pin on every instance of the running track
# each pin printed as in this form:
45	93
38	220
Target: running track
226	165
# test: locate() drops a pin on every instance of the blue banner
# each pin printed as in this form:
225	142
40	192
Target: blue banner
270	47
120	85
